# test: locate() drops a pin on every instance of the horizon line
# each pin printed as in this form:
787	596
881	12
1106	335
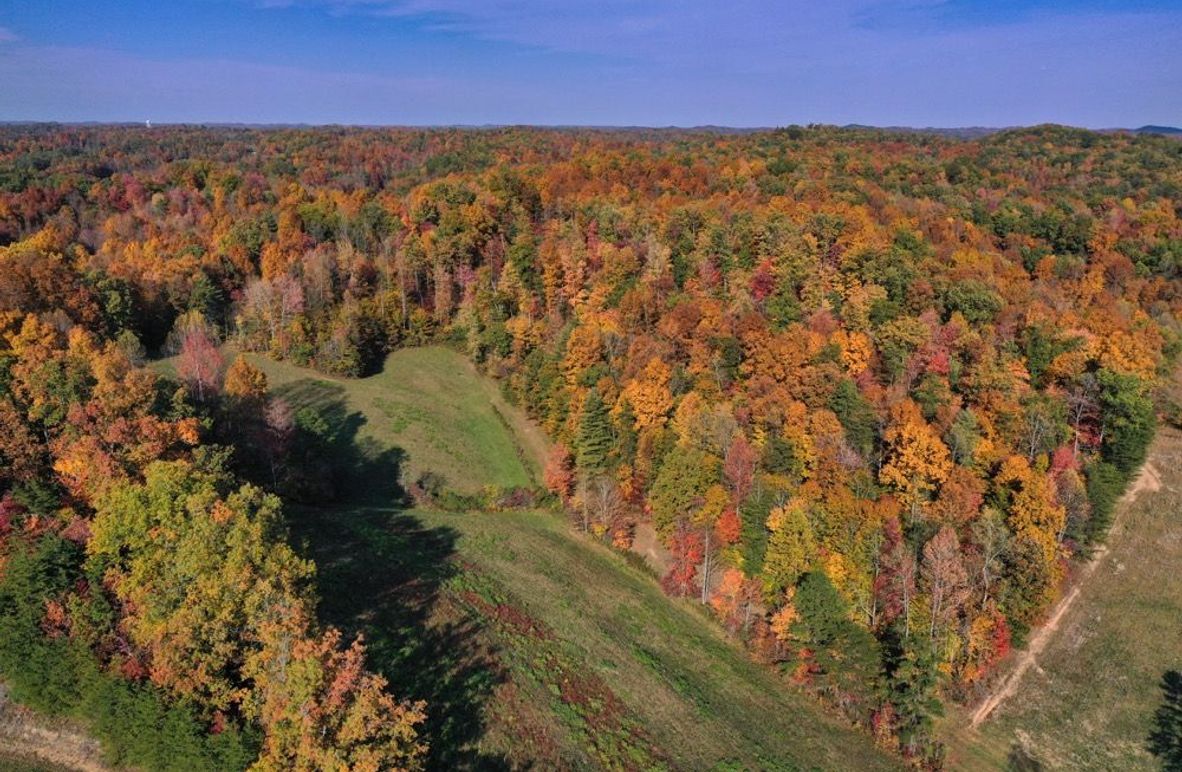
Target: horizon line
149	123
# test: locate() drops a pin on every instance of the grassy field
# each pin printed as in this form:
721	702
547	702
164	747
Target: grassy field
533	646
1089	703
31	742
432	405
14	762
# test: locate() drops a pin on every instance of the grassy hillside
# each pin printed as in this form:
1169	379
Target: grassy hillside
531	644
1090	701
15	762
429	404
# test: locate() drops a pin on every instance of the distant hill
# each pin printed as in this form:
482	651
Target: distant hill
958	132
955	132
1169	130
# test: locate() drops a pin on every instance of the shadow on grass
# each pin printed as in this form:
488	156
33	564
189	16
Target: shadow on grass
336	464
1022	760
1165	740
381	572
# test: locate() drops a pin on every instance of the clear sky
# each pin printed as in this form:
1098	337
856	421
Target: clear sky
1097	63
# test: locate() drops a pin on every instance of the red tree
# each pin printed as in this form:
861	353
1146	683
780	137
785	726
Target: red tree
688	552
894	586
739	467
559	475
200	363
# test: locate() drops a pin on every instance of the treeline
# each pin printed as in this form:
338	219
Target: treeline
148	591
874	391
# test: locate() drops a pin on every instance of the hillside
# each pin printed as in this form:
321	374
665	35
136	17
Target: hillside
871	397
430	403
533	644
1089	703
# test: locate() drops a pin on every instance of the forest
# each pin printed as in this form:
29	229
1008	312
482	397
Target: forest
875	392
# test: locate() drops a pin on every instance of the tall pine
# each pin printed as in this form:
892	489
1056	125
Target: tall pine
593	444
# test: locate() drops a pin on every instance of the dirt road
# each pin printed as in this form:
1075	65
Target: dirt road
1147	481
24	734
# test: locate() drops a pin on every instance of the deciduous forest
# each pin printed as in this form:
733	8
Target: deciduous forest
874	392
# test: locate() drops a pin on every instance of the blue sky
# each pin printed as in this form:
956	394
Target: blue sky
1097	63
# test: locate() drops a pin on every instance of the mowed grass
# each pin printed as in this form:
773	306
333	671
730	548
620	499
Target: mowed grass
1090	702
433	405
532	646
15	762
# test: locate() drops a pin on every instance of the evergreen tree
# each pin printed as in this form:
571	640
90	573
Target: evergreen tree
1129	420
1165	741
1104	486
594	442
856	415
844	654
910	683
626	437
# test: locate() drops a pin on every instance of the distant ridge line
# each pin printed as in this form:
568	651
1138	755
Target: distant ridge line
957	132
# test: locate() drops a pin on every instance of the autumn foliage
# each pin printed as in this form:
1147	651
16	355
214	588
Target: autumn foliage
874	391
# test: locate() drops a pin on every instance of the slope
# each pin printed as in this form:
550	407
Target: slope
432	404
1087	701
532	645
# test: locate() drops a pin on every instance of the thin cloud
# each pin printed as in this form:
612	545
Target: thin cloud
7	35
683	62
69	83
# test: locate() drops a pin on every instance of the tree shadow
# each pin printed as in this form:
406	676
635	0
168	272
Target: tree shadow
1020	759
382	573
1165	739
337	465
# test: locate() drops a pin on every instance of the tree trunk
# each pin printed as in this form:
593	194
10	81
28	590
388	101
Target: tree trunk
706	567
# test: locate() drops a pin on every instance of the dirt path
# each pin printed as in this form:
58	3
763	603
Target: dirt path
1147	481
24	734
647	544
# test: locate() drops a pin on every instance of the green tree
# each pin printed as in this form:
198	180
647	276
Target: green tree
856	415
684	476
1129	420
1165	741
963	436
843	653
37	669
1105	484
594	442
910	687
977	301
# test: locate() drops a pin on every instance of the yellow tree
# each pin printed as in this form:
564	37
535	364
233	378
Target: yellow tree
194	569
1033	512
791	547
1037	521
917	461
856	350
583	350
323	711
648	394
245	381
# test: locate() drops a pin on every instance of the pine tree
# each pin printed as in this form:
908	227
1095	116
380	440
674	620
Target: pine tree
856	415
843	654
594	441
1129	421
